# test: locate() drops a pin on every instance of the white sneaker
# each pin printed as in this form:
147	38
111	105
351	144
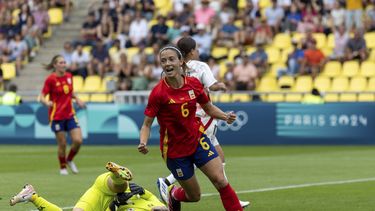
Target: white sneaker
64	171
163	190
23	196
73	167
244	203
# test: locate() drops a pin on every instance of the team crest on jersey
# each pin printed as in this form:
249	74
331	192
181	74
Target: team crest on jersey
69	80
179	173
191	94
171	101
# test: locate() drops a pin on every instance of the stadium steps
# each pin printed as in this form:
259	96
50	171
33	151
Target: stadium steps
32	76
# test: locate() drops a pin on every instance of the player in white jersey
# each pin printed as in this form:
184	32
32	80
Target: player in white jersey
203	73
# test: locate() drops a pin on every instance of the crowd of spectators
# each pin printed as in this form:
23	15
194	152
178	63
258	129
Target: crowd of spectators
22	25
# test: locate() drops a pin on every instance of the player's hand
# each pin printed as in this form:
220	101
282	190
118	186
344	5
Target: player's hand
142	148
49	104
222	86
231	117
80	103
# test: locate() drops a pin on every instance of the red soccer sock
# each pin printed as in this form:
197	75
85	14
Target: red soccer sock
178	193
62	161
230	199
71	155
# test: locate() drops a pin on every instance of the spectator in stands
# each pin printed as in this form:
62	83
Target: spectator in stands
174	32
4	51
147	8
65	5
353	13
80	61
225	13
229	76
245	74
305	25
274	15
23	15
105	31
100	61
41	16
259	58
341	40
184	15
370	19
11	98
1	77
205	14
115	52
338	14
159	32
123	70
138	31
204	42
67	53
123	29
292	19
263	33
106	10
229	34
251	11
247	32
7	25
314	59
31	35
295	60
18	51
313	98
89	30
215	68
309	37
356	47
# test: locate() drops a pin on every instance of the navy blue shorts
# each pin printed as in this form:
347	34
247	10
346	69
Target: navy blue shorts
183	168
64	125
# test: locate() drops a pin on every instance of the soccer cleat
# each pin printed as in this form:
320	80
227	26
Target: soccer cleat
173	204
163	189
64	171
23	196
119	171
73	167
244	203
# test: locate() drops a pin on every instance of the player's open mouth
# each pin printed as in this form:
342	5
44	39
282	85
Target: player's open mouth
169	69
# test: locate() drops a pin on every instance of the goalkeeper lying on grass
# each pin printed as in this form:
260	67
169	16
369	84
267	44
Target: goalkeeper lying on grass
111	191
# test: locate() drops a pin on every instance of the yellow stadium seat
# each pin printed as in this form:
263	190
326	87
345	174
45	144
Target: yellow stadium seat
87	49
332	69
321	40
357	84
371	84
219	52
238	23
275	97
152	22
340	84
303	84
169	23
370	39
48	34
241	4
214	97
366	97
222	69
372	55
331	41
99	98
348	97
9	70
163	6
286	82
92	83
232	53
367	69
298	36
77	83
326	51
56	16
241	97
322	83
267	84
84	97
331	97
15	14
273	55
250	50
149	50
293	97
274	69
282	41
110	98
130	52
225	98
350	68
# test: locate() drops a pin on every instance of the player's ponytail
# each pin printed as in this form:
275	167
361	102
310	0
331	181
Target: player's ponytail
50	66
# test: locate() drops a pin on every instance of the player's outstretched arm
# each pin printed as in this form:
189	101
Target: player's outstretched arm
79	102
218	86
217	113
145	134
43	99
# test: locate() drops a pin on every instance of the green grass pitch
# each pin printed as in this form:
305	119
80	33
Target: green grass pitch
327	175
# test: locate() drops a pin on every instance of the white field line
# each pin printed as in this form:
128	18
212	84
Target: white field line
283	187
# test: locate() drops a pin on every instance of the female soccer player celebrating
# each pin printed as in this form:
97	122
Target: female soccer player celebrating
182	140
59	87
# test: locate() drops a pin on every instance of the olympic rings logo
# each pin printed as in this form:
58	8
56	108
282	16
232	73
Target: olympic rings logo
240	121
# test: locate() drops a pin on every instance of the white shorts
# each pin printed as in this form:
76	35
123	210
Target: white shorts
211	133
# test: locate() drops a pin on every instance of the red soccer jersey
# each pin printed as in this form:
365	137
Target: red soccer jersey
60	90
180	129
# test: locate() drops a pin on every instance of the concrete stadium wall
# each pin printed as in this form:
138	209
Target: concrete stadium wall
258	123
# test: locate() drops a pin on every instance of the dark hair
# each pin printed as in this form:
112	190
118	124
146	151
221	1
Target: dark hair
53	62
186	45
315	92
13	88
